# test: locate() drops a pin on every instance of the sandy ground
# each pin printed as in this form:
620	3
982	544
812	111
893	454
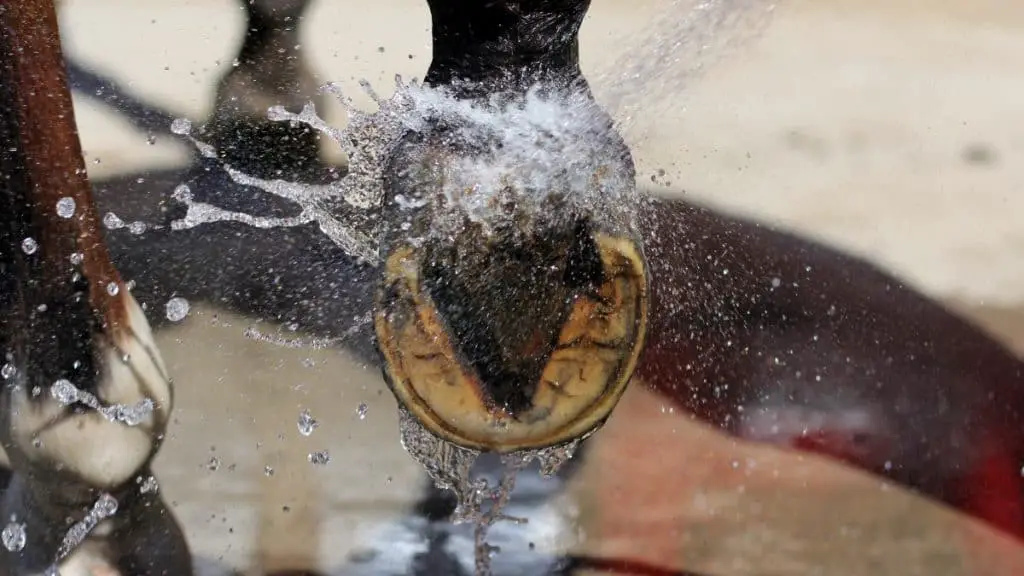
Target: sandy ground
885	128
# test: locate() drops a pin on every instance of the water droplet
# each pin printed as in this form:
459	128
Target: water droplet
361	410
321	458
64	391
13	536
76	258
66	207
106	506
7	371
177	309
112	221
213	464
181	126
113	289
148	485
182	193
29	246
307	423
151	139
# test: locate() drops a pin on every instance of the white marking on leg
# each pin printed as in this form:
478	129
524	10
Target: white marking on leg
101	452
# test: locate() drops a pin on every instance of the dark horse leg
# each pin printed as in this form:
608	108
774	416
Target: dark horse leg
86	397
269	70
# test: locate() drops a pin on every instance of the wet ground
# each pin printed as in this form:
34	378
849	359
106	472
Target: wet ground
885	128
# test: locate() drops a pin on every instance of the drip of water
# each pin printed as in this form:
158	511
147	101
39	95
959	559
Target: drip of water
449	467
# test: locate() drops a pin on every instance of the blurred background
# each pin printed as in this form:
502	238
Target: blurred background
889	129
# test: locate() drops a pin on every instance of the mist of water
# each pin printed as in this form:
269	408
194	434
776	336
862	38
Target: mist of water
660	62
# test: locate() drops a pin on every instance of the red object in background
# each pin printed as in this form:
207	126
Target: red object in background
780	340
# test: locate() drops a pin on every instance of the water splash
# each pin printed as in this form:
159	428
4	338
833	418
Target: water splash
501	161
104	507
320	458
66	393
307	424
540	146
300	343
366	140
